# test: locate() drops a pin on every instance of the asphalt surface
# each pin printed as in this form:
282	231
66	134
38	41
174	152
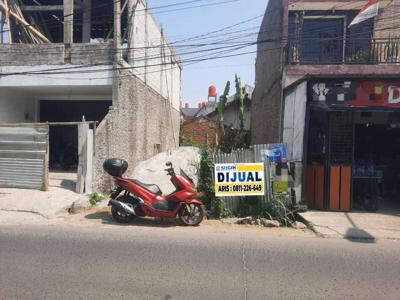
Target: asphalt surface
117	262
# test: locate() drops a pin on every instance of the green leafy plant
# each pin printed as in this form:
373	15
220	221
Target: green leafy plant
248	206
223	99
181	133
206	185
220	211
282	209
240	95
234	139
189	142
215	206
95	198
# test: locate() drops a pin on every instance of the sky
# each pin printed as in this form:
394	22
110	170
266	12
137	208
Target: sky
214	15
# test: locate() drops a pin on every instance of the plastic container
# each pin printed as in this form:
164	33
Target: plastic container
115	166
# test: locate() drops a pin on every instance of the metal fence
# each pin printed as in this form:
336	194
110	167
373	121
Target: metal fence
256	154
24	155
342	51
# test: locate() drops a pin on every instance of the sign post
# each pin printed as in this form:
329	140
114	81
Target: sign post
239	179
278	170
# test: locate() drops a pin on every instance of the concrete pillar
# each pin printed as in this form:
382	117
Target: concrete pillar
68	21
87	20
131	30
118	51
117	31
146	38
298	181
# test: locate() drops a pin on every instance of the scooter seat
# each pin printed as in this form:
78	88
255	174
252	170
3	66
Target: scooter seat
152	188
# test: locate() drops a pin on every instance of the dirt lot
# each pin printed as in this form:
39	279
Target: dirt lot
101	218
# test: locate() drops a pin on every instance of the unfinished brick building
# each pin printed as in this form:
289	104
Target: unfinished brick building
201	131
107	61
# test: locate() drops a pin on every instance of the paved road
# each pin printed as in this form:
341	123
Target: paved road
60	262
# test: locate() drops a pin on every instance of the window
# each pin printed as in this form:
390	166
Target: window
322	40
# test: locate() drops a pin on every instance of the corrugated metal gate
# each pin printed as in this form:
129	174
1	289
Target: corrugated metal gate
24	155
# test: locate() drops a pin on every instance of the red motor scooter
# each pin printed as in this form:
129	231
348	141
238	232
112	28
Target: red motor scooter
140	199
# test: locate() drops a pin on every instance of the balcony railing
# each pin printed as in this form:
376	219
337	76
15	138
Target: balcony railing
339	51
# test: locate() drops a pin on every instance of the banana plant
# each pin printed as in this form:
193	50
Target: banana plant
240	94
223	99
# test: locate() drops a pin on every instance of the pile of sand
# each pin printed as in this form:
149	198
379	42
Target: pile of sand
152	170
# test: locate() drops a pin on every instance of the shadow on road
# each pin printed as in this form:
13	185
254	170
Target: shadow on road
106	218
358	235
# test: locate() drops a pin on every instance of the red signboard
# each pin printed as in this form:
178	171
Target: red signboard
358	93
375	93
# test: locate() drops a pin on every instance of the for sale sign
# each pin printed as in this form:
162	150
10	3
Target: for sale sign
239	179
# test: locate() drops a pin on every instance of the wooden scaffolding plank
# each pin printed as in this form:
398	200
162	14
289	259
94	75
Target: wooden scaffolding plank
6	12
24	22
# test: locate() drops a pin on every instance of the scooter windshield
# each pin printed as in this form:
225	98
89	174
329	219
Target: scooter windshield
186	176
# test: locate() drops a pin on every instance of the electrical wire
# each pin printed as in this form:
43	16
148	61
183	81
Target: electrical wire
62	18
189	60
215	49
219	42
41	50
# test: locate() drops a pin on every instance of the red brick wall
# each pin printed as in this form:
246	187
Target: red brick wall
201	131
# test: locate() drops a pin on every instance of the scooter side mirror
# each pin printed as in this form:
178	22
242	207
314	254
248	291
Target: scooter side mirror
169	164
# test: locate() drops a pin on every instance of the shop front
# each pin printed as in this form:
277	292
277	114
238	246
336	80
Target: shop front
353	145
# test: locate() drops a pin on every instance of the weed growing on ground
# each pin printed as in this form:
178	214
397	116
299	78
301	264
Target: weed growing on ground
95	198
282	209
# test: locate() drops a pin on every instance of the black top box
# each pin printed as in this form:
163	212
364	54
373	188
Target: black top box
115	167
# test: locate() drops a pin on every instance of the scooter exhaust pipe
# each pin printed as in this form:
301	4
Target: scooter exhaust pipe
122	206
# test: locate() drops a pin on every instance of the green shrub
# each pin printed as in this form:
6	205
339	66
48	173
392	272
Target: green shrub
220	211
95	198
248	206
280	208
215	206
206	184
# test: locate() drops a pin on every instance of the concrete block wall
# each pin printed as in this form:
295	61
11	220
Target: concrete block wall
137	40
90	54
155	56
151	57
56	54
267	98
141	123
31	55
387	23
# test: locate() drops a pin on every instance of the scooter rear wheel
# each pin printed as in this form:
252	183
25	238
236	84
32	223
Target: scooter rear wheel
192	214
119	215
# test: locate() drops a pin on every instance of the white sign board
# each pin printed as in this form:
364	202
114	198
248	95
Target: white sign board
242	179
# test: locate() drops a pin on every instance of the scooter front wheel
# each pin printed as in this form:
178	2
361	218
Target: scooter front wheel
192	214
